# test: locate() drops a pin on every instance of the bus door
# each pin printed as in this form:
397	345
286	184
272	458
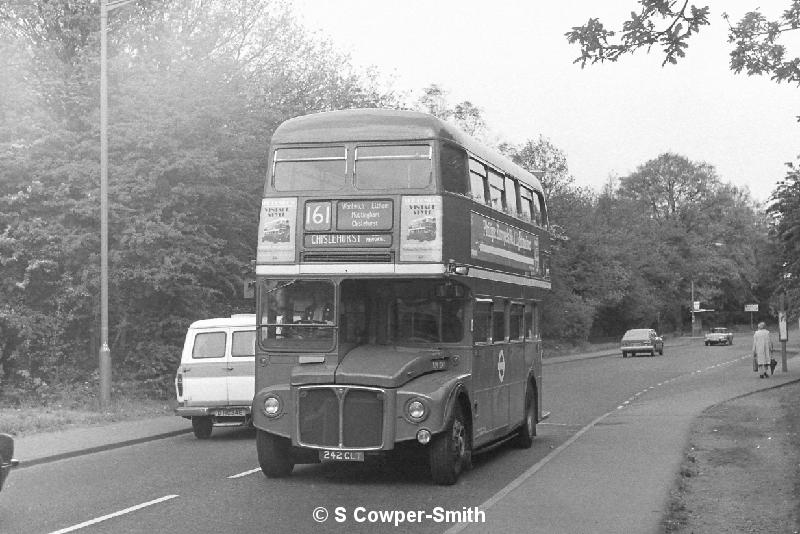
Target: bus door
489	367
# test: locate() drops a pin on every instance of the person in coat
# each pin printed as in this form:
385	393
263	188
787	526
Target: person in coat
762	350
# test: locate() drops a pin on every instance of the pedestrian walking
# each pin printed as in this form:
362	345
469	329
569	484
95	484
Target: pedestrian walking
762	350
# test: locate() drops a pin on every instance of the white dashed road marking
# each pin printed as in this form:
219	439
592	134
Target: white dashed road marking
250	472
115	514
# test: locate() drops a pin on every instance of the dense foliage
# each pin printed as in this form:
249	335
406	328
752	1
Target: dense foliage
195	89
758	47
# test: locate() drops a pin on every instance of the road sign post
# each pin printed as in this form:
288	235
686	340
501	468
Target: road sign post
751	308
783	333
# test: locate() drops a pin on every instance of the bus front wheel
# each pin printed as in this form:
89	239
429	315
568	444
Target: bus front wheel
449	452
274	455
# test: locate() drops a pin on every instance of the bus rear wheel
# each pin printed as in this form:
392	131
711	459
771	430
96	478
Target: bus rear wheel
274	455
527	431
449	452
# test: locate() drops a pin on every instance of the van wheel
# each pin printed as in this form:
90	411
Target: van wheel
449	452
274	455
202	427
527	431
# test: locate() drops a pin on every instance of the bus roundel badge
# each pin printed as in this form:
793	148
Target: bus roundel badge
501	366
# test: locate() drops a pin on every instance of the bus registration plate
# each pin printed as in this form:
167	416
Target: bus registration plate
341	456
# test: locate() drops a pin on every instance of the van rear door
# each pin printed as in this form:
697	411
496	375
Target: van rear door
241	367
205	368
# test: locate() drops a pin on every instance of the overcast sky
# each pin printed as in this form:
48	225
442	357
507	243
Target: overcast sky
511	59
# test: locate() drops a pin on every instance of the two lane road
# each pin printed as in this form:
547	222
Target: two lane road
184	485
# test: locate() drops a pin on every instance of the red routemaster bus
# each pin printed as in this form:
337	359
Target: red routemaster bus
400	267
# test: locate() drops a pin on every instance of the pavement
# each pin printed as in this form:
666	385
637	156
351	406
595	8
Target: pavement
588	484
50	446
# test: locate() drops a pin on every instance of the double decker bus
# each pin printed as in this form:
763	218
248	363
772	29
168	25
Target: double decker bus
401	304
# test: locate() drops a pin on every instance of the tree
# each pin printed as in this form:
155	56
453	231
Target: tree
670	23
465	114
548	162
195	88
699	232
785	212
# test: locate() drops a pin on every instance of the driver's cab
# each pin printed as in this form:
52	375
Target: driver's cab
299	315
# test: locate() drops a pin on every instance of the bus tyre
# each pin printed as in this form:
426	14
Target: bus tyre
202	427
449	452
274	455
527	431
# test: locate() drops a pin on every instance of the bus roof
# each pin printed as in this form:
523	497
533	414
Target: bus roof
372	124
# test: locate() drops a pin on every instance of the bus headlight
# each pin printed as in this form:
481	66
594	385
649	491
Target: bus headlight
272	406
416	411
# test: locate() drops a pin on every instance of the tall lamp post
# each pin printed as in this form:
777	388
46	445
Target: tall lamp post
104	363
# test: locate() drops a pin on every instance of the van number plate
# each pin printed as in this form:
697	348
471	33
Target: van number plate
341	456
230	412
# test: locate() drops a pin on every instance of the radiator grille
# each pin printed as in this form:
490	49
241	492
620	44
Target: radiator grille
341	417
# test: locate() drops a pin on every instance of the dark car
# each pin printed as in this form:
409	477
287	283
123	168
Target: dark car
641	341
7	460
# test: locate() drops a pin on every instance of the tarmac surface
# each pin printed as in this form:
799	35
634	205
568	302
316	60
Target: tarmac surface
588	484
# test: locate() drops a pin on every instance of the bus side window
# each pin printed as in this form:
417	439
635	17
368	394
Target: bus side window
516	327
482	325
511	196
478	182
454	171
497	192
538	204
498	322
526	203
531	328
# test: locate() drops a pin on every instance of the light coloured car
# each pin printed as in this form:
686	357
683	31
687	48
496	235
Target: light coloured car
719	336
641	341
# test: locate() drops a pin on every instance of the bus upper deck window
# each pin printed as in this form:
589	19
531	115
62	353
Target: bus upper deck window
526	203
388	167
538	212
479	184
511	196
310	169
497	193
454	170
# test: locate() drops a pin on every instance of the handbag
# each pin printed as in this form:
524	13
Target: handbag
773	363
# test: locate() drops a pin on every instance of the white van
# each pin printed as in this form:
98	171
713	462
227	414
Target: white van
215	381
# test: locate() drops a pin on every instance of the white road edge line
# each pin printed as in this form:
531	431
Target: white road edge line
115	514
511	486
240	475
